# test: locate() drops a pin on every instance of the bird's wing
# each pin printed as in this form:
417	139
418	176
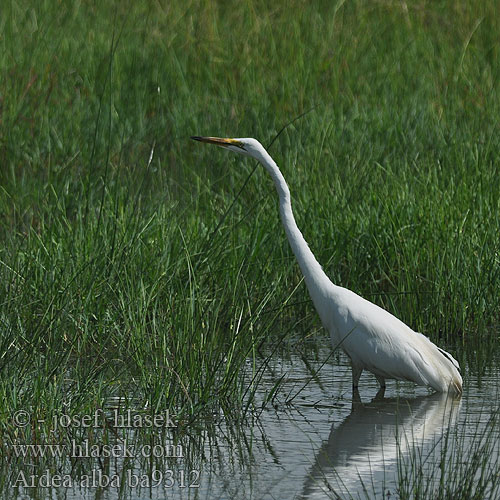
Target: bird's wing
384	345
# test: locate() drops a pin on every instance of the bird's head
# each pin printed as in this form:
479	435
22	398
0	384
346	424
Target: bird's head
246	146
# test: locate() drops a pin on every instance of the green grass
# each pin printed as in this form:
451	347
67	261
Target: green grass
461	465
157	278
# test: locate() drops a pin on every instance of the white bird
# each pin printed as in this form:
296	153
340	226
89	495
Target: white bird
374	339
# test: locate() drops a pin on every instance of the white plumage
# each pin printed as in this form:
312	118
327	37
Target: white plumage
374	339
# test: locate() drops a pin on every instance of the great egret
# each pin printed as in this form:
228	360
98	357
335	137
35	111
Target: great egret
374	339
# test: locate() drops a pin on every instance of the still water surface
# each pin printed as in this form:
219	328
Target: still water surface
322	444
327	446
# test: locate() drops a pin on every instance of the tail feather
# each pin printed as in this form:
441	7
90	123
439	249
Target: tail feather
449	357
456	385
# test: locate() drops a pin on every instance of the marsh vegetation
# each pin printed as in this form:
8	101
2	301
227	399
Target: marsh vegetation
137	267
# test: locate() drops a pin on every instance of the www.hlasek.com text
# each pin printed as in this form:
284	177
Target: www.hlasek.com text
86	449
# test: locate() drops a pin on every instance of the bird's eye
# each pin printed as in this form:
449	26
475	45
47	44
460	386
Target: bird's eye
239	145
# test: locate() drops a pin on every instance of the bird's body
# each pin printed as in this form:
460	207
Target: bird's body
374	339
391	349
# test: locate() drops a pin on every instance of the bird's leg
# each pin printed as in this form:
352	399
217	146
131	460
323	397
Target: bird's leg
356	373
356	400
380	394
381	381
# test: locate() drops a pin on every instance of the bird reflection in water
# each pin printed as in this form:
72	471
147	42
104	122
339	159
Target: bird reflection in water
361	449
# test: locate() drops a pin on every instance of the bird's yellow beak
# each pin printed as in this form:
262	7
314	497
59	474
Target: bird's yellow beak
219	141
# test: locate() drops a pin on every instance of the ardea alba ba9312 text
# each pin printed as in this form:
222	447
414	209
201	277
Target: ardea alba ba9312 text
374	339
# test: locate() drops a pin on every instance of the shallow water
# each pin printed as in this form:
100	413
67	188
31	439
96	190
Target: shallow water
319	444
326	445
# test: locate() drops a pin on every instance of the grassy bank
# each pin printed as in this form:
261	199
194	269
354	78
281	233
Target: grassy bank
131	263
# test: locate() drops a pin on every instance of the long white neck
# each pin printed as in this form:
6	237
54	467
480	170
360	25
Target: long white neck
316	280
